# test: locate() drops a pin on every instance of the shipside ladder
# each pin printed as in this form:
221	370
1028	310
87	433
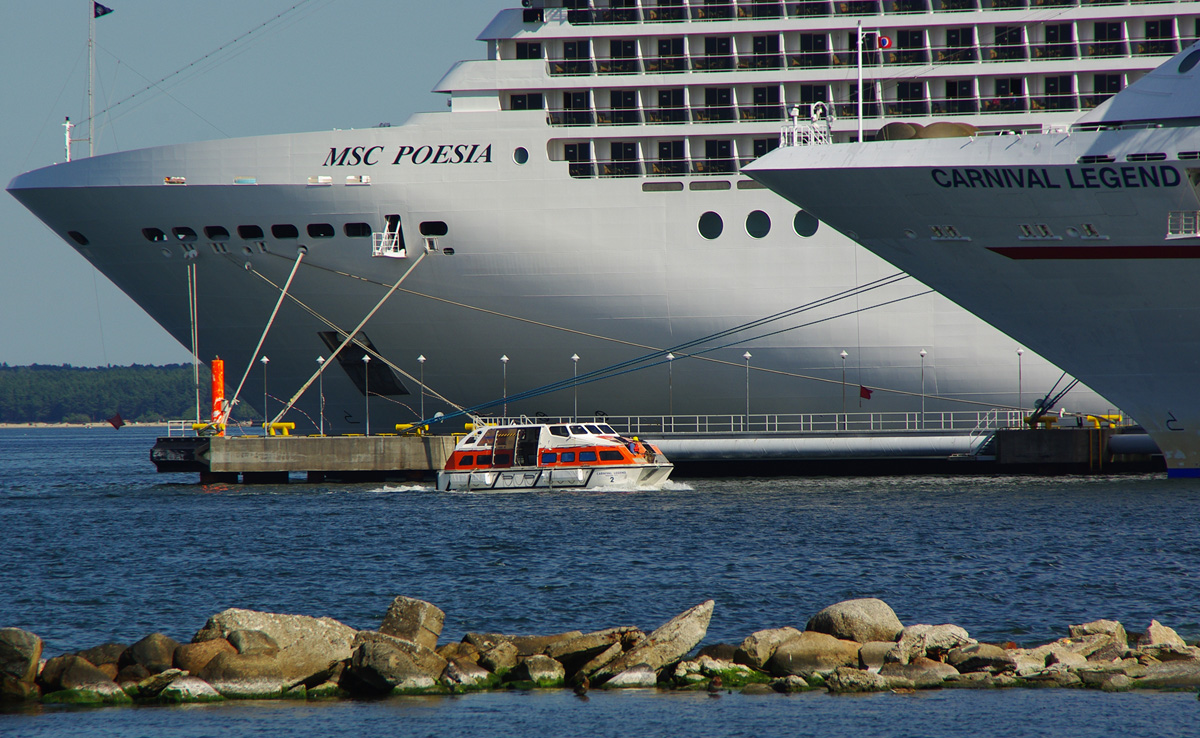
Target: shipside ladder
390	242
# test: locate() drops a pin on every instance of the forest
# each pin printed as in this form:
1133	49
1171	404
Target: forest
67	394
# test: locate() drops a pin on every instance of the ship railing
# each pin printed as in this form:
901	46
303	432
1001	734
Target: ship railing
388	244
815	131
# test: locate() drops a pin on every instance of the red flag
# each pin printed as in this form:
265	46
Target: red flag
864	393
116	421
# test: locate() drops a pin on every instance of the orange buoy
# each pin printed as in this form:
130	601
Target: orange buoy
218	395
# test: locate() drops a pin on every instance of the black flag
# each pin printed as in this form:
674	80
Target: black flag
100	10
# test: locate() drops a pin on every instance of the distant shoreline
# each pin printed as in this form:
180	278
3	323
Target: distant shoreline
101	424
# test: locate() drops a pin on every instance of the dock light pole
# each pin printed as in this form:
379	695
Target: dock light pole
421	361
1020	394
321	390
367	388
575	384
670	384
504	381
844	355
746	356
922	389
266	415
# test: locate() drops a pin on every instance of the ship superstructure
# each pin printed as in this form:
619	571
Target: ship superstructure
583	198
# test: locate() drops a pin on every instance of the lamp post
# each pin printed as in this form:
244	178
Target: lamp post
1020	394
746	356
421	361
266	415
670	384
844	355
575	384
922	389
321	391
367	388
504	381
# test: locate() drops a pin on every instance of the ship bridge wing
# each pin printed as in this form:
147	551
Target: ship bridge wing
1169	93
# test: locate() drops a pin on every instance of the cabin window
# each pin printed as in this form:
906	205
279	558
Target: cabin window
594	429
285	230
78	238
587	455
560	431
711	226
758	224
764	145
434	228
488	438
216	233
521	155
805	224
526	101
568	457
549	458
250	232
611	456
184	234
320	230
579	430
608	430
483	460
503	459
357	230
466	461
154	235
529	50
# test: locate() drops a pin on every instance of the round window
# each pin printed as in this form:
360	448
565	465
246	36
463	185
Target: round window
711	225
805	224
521	155
758	224
1189	62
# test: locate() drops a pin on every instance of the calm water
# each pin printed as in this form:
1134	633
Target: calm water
101	548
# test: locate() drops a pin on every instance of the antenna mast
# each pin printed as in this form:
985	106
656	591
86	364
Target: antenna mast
91	78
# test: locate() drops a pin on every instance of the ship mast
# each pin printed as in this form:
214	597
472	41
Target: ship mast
91	78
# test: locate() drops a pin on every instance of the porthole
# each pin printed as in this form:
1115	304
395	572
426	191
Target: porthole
434	228
216	233
320	230
805	224
711	225
521	155
285	230
184	234
154	235
78	238
357	230
250	232
758	224
1189	62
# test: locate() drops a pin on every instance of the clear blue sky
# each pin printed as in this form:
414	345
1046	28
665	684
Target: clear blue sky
329	64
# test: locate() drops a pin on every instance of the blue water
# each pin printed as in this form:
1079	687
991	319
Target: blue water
98	547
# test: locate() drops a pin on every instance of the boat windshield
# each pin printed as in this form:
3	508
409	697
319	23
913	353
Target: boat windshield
595	429
560	431
609	430
579	430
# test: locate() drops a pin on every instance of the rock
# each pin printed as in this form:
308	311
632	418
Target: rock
973	680
1110	651
156	652
871	655
810	652
669	643
132	674
98	693
1110	628
109	670
901	684
461	651
790	683
245	675
526	645
1116	683
1084	645
1171	652
1028	662
576	653
253	641
922	672
152	686
192	657
189	690
414	620
307	645
500	657
462	674
20	654
728	670
601	660
73	680
758	647
109	653
1171	675
541	670
845	679
384	664
1159	634
862	620
719	651
1062	659
77	673
757	688
641	675
931	641
981	657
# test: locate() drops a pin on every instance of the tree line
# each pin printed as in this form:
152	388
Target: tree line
67	394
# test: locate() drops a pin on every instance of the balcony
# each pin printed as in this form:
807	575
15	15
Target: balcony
714	166
570	67
617	66
810	59
665	64
762	112
1066	50
1005	104
761	61
714	114
955	106
667	115
715	63
1005	52
907	56
1055	102
571	117
1155	47
713	12
1105	48
955	54
666	167
664	15
620	168
619	117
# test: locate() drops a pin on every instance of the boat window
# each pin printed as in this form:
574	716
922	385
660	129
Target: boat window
608	430
560	431
285	230
78	238
521	155
568	457
579	430
483	460
587	455
216	233
805	224
357	230
549	458
595	429
758	224
154	235
610	456
434	228
183	233
466	461
250	232
320	230
503	459
488	437
711	225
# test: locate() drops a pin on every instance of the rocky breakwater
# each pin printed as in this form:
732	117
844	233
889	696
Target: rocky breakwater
852	646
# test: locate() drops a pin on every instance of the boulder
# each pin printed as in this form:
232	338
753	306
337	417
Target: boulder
758	647
73	680
641	675
413	620
932	641
1171	675
109	653
526	645
95	693
667	644
1063	659
812	652
499	657
719	652
975	680
872	654
245	675
1049	678
20	654
151	687
1171	652
192	657
132	674
77	673
460	651
981	657
253	641
600	660
384	664
845	679
1085	645
156	652
789	684
1159	634
1110	628
758	688
860	620
923	672
539	669
307	645
461	674
575	653
189	690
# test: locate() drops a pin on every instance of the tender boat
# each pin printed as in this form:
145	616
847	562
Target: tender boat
544	456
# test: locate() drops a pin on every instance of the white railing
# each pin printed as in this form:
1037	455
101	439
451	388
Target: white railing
388	244
1183	224
815	131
